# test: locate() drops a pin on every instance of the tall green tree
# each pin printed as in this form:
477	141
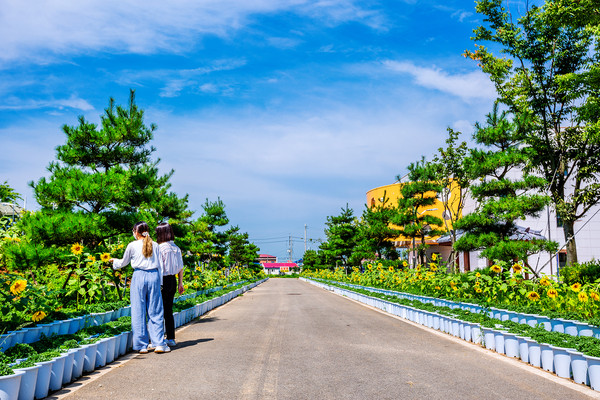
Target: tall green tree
417	196
7	193
550	69
342	236
102	181
451	172
240	251
504	194
376	233
208	235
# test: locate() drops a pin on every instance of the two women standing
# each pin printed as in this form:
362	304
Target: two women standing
149	266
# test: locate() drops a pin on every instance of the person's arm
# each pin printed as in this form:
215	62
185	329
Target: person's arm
118	264
180	274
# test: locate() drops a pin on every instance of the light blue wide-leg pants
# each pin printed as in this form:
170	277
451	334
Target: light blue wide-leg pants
146	300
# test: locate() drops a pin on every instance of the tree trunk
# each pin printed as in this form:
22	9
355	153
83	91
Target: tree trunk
569	230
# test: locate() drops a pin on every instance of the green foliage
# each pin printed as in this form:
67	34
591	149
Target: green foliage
550	70
342	236
418	194
588	272
240	251
503	199
376	233
102	182
7	193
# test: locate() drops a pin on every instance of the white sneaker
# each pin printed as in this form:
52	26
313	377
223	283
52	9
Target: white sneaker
171	342
150	348
143	351
162	349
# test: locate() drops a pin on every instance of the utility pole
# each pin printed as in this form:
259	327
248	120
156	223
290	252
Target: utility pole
305	238
291	250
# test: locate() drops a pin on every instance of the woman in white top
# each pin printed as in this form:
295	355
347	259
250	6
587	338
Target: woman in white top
172	264
143	254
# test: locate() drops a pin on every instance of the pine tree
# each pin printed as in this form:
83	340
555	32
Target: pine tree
417	196
102	182
505	194
342	234
550	69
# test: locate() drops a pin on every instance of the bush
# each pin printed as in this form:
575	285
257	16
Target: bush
583	273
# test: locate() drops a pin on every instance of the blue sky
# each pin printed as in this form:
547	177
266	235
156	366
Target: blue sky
286	109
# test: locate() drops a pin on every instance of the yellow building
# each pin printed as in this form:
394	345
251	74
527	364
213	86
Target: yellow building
392	192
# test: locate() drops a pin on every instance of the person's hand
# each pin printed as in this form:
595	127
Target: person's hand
181	289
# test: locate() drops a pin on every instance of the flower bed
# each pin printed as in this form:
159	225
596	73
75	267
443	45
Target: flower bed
566	355
53	361
500	286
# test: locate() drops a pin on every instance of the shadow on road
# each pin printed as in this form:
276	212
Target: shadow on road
188	343
205	320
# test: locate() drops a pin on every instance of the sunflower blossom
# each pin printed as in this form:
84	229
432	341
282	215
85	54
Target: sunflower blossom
77	249
533	296
38	316
18	286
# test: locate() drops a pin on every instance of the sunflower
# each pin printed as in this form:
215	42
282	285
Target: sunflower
496	268
404	264
583	297
594	296
433	267
533	296
18	286
105	257
370	266
38	316
552	293
437	288
477	275
434	257
478	289
517	268
544	281
91	259
576	287
391	268
77	249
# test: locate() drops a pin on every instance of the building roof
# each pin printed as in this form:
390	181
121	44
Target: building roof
521	233
279	265
10	209
265	256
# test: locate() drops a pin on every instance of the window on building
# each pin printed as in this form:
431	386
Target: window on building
559	221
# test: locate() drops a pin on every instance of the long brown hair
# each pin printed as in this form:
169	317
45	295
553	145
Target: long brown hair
164	233
140	228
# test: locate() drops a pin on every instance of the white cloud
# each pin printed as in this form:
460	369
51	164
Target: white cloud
74	102
468	86
51	30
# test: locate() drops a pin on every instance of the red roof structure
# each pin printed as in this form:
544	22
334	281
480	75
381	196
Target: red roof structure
279	265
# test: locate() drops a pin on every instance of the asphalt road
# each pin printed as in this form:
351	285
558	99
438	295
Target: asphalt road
287	339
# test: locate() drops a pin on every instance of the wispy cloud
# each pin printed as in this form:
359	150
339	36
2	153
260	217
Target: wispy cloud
468	86
53	30
74	102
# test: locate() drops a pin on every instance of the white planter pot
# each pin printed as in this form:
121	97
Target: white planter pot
123	343
43	379
78	361
511	345
89	360
558	325
534	353
584	329
28	382
68	368
56	372
6	341
593	371
523	348
562	362
111	343
75	325
32	334
10	385
489	338
499	341
476	333
64	326
579	367
547	357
